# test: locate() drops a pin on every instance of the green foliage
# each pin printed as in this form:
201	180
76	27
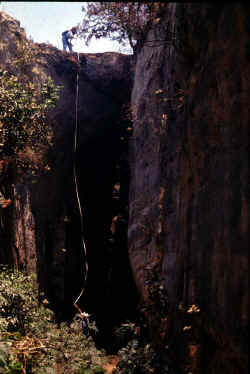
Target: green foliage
23	110
120	21
8	365
135	359
127	332
31	341
136	356
27	54
19	310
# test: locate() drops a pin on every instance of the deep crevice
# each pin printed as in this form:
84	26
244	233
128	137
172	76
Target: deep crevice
110	295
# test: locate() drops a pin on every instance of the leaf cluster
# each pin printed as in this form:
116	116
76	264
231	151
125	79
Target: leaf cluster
27	54
119	21
135	359
30	339
23	111
138	356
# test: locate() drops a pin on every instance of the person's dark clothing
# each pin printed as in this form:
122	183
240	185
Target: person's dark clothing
67	37
85	327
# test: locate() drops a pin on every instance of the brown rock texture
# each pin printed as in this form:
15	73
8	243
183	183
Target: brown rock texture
189	191
41	231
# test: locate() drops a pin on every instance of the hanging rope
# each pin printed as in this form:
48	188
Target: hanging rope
77	192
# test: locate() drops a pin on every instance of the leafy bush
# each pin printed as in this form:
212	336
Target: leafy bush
135	359
31	341
23	110
136	356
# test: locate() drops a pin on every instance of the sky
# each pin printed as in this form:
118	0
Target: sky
44	21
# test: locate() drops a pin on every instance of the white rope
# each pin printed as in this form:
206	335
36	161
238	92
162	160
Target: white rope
77	190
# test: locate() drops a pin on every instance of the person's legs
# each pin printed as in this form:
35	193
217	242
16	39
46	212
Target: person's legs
70	46
64	42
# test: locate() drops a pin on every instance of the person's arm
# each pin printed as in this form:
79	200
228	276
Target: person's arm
70	35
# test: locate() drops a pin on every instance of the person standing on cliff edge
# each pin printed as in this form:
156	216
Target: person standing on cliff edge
67	37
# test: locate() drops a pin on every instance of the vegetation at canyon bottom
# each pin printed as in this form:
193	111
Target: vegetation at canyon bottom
32	342
30	339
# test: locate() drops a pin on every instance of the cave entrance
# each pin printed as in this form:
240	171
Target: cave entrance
103	177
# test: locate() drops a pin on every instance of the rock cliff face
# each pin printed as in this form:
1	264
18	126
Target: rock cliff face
187	212
189	193
41	232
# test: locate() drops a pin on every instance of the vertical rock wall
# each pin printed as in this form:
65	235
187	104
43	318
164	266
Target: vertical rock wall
43	223
189	193
24	241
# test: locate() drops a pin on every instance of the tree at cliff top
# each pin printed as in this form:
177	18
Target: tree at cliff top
123	22
23	109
